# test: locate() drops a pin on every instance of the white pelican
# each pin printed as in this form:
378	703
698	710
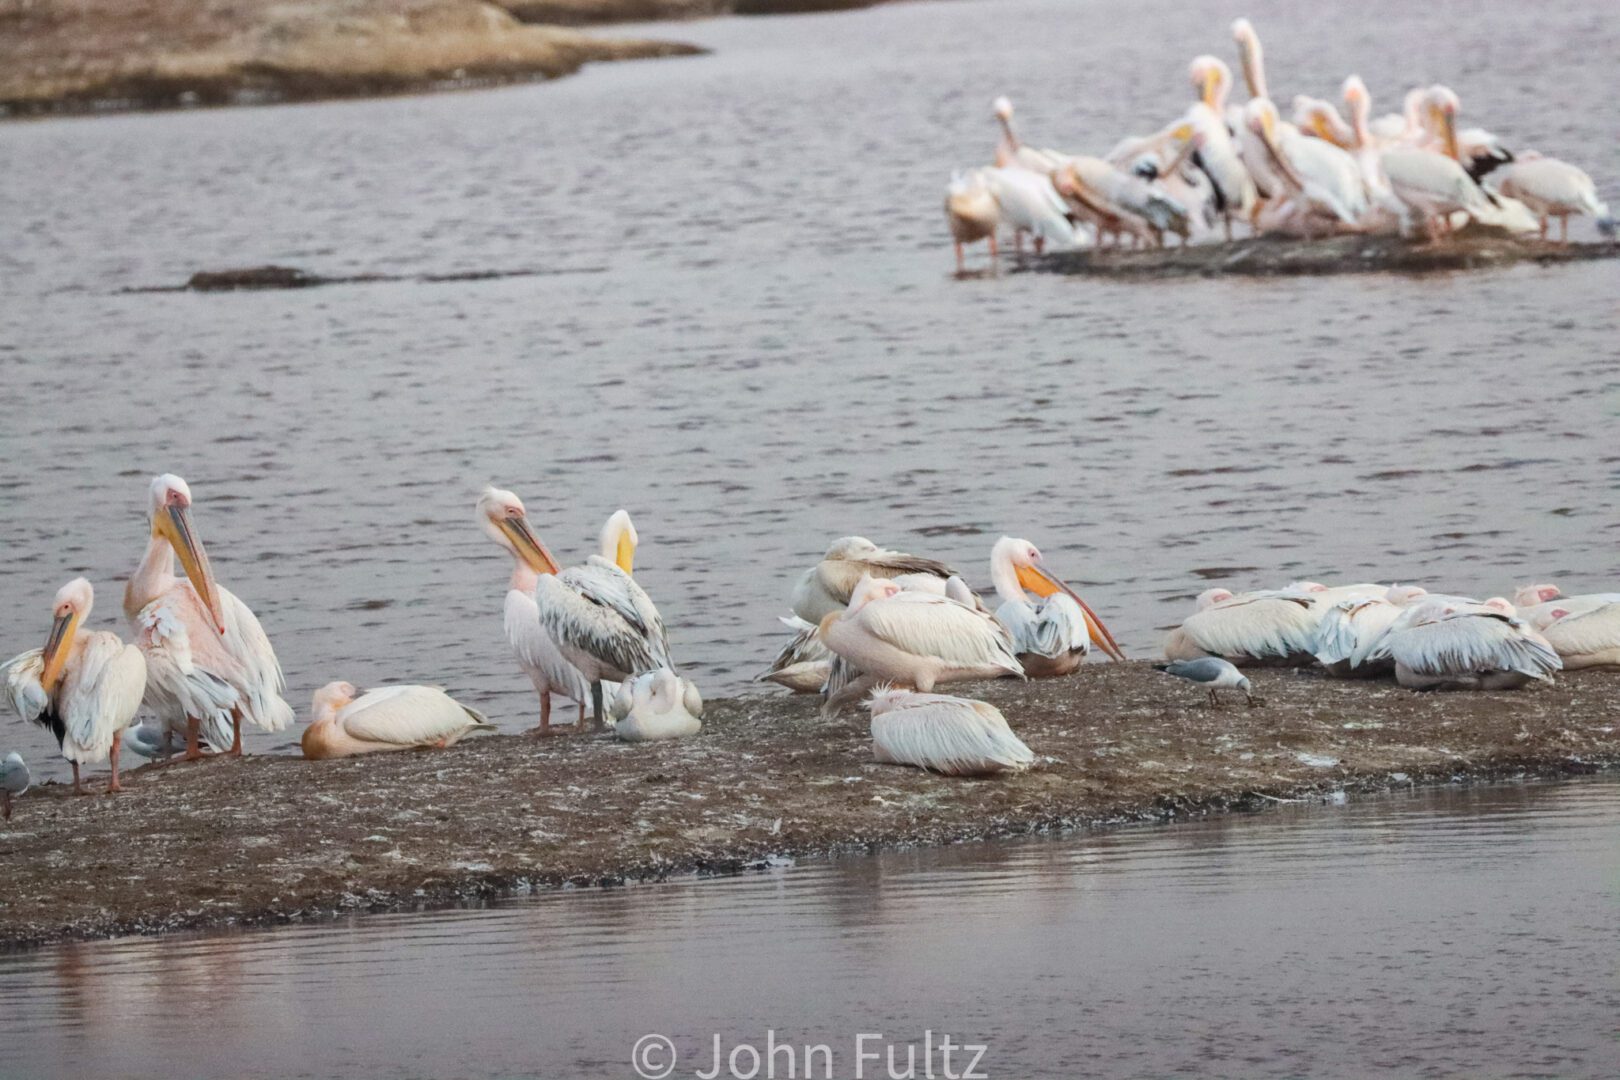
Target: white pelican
1350	628
973	214
14	781
344	721
1116	201
1406	127
1552	189
1214	674
1053	636
208	661
914	639
1320	180
1318	118
1252	58
1269	181
1584	630
602	622
655	706
85	687
1443	644
1433	185
1029	203
537	654
1274	627
804	662
1218	156
826	587
950	735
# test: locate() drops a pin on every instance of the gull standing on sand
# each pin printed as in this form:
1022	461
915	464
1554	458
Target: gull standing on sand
14	781
826	587
943	734
1053	636
1211	672
655	706
345	722
208	661
537	654
85	687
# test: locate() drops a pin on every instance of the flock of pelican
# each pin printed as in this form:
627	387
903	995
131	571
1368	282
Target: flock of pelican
869	624
1218	163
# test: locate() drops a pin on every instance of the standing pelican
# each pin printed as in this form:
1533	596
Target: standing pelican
826	587
1321	181
345	722
1117	201
1218	156
1444	644
14	781
1030	204
950	735
656	706
914	639
1585	630
537	654
1051	637
602	622
972	213
1552	188
207	658
84	687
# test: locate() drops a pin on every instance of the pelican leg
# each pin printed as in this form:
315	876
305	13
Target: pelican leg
545	714
77	789
1543	226
193	740
596	705
1227	217
236	733
1563	228
580	725
5	806
113	786
961	261
995	250
1040	245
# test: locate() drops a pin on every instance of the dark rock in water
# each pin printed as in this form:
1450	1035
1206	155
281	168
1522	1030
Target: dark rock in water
252	277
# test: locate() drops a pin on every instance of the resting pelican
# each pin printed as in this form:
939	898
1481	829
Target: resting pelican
1432	186
914	639
208	661
1552	189
602	622
1584	630
1053	636
14	781
1350	628
950	735
344	722
1441	644
84	687
655	706
973	214
537	654
1218	156
804	662
1271	628
826	587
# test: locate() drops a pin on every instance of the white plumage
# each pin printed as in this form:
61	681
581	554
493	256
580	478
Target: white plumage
1442	644
804	662
950	735
1052	635
826	587
1584	630
14	780
1271	627
344	722
1552	188
656	706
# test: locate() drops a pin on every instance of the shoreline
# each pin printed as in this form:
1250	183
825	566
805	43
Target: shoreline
271	840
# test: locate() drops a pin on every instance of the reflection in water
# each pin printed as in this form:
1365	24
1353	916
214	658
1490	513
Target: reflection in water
1457	932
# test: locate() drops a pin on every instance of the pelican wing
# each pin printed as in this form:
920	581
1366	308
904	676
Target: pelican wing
806	647
259	679
1474	641
176	686
1583	632
101	694
926	625
537	652
948	735
1055	628
1257	626
1352	625
603	583
574	619
407	716
21	680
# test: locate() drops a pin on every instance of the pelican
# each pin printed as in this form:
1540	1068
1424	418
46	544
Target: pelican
655	706
537	654
1404	127
1117	201
1441	644
804	662
826	587
914	639
1252	58
1269	180
1350	628
950	735
208	662
1320	180
1214	674
1432	186
601	621
1053	636
14	781
345	722
1029	203
1584	630
973	214
1218	156
1318	118
85	687
1272	628
1552	189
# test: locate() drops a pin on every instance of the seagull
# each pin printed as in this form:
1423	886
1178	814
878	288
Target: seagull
1212	672
14	780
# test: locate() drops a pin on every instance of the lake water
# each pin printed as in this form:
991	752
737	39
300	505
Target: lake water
748	333
1459	932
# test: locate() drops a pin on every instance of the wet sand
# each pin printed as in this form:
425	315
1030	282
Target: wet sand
274	839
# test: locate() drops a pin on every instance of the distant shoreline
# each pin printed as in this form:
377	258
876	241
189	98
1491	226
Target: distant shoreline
270	840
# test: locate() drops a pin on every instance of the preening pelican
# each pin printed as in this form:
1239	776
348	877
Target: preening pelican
1274	628
950	735
1212	673
914	639
1350	628
344	722
1584	630
1116	201
973	214
537	654
804	662
655	706
1442	644
1321	183
1552	189
602	622
209	665
1218	155
84	686
14	781
1053	636
826	587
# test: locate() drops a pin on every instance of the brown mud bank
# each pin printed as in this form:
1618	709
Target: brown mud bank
277	839
1474	249
89	56
597	12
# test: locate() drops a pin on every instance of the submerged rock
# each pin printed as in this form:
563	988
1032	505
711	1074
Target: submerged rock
252	277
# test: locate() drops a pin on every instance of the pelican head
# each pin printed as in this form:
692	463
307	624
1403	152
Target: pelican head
1321	119
68	612
869	589
1003	109
170	515
1405	595
1531	595
1030	573
619	540
1210	597
1212	79
1355	93
1248	43
850	547
1501	606
1441	105
501	515
330	698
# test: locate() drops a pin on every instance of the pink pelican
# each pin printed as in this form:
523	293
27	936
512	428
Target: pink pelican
1444	644
1050	637
1275	627
345	722
1585	630
943	734
1350	627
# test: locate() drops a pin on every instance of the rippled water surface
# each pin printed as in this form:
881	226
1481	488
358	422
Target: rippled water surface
1465	932
749	335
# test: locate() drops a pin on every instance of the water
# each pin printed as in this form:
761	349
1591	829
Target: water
1461	932
752	339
